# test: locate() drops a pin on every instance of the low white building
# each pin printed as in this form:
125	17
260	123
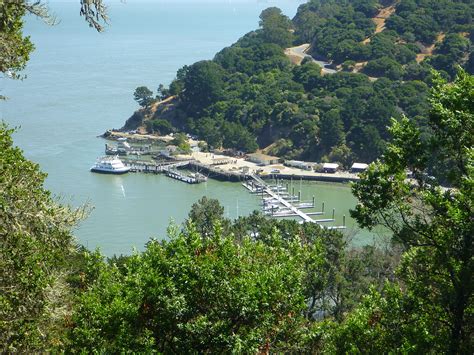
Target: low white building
299	164
330	167
262	159
359	167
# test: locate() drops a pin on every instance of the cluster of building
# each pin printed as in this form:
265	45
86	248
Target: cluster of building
264	159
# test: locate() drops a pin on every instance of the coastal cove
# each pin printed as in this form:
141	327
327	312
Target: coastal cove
173	183
80	83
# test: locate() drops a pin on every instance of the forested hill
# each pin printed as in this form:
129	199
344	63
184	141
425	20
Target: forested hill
251	96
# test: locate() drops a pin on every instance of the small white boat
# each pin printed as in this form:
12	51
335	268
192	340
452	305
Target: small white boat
110	165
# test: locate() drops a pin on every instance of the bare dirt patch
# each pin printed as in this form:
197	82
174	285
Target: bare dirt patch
428	51
380	19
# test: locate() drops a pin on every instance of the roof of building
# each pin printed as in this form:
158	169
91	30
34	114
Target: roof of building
330	166
262	157
359	166
297	162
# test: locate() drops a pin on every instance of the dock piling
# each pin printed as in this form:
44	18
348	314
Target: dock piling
284	204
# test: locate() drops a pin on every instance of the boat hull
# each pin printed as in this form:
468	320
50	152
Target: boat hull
112	172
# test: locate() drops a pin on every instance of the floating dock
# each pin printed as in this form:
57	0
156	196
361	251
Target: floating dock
167	167
276	204
141	166
174	174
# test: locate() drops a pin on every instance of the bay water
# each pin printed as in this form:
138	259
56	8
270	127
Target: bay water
80	83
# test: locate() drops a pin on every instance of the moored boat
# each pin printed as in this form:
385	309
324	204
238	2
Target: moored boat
110	165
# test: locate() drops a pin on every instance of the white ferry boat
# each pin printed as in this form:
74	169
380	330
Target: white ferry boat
110	165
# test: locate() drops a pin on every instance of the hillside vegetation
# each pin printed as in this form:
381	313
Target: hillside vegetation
250	95
258	285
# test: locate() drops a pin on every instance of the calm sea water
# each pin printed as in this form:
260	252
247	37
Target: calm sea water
80	83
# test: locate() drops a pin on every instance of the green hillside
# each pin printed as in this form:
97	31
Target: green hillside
251	96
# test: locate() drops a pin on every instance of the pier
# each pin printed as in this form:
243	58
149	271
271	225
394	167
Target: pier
276	204
195	179
142	166
169	168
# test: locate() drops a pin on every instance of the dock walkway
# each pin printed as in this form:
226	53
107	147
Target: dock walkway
181	177
257	185
153	167
294	210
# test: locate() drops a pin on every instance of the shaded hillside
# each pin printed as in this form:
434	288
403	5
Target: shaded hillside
251	95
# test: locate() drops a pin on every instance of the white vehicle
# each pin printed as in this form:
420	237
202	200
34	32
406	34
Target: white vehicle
110	165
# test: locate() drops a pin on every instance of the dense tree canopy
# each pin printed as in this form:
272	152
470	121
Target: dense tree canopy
256	284
251	96
195	294
434	224
250	285
143	96
261	285
36	245
276	27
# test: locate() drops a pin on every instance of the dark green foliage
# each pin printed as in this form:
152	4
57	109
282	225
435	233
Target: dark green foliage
35	249
308	74
250	96
415	71
252	59
162	92
275	27
194	294
220	290
433	224
331	130
181	141
143	96
337	275
177	84
450	53
424	19
387	321
384	44
236	136
204	214
203	85
336	28
384	66
159	126
15	49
